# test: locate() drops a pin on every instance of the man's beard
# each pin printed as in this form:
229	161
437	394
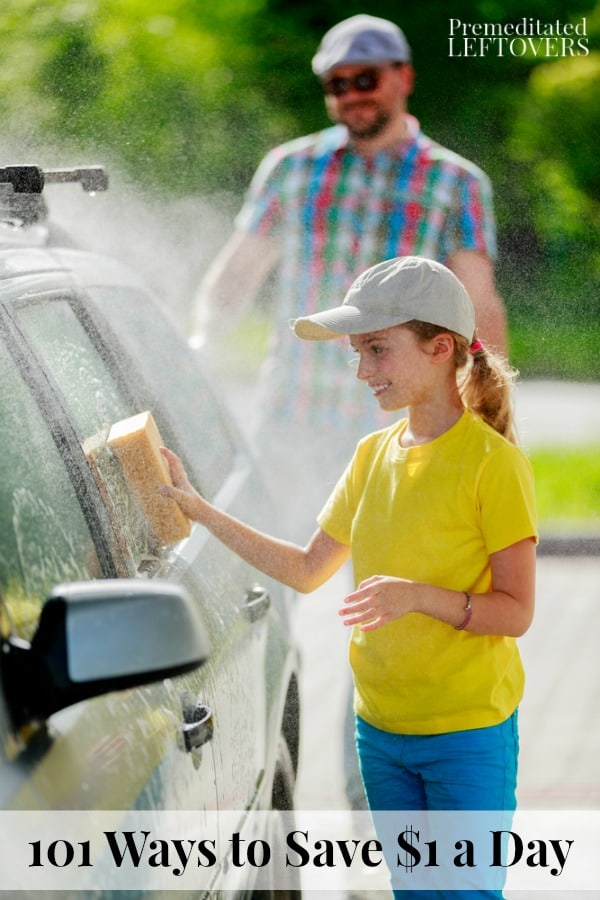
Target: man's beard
372	129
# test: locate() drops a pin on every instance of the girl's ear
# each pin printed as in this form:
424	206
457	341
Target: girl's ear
442	347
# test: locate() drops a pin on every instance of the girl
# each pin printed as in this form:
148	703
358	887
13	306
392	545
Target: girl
437	514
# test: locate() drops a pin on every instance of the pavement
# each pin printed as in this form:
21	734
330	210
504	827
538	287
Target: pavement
561	414
558	413
559	717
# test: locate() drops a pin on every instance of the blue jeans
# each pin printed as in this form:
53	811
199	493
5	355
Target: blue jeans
460	771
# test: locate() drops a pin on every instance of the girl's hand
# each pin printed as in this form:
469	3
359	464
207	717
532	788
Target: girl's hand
377	601
182	492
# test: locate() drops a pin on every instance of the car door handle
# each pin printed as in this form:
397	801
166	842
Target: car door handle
256	604
198	727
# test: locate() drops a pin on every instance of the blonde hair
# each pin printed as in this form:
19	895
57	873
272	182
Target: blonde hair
485	379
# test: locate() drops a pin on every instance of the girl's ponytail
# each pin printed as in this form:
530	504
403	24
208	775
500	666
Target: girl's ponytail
487	387
485	380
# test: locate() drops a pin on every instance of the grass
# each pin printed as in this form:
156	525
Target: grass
568	487
563	351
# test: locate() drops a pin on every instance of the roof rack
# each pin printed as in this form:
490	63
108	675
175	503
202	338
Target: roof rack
31	179
21	189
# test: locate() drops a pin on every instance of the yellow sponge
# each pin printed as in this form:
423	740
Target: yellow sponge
135	442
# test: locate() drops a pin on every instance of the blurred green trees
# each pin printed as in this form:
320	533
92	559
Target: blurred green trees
186	96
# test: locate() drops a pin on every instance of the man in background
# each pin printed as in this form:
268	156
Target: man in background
321	209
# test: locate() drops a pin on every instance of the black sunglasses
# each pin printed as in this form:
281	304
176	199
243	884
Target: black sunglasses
365	81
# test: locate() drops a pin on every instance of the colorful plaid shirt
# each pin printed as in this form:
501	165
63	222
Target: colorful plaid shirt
335	213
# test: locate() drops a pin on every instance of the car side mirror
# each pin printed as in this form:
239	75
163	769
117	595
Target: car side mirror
99	636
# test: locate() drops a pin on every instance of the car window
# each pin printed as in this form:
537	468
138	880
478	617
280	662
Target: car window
96	401
44	538
75	364
170	370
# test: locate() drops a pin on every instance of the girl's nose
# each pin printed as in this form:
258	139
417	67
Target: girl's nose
363	369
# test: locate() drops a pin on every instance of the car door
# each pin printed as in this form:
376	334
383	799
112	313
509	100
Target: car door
251	610
97	387
116	751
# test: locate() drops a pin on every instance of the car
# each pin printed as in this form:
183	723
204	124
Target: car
138	672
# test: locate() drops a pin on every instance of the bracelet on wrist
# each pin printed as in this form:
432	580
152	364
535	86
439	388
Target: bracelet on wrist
468	614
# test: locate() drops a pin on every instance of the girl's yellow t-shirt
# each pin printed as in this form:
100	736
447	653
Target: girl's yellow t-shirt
433	513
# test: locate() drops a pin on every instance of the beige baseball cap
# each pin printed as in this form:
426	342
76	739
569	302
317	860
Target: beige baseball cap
391	293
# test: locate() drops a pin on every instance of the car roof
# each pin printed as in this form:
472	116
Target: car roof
84	268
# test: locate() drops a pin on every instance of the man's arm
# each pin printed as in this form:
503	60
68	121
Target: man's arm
476	272
231	284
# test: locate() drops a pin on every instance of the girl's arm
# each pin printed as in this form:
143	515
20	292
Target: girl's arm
506	610
302	568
